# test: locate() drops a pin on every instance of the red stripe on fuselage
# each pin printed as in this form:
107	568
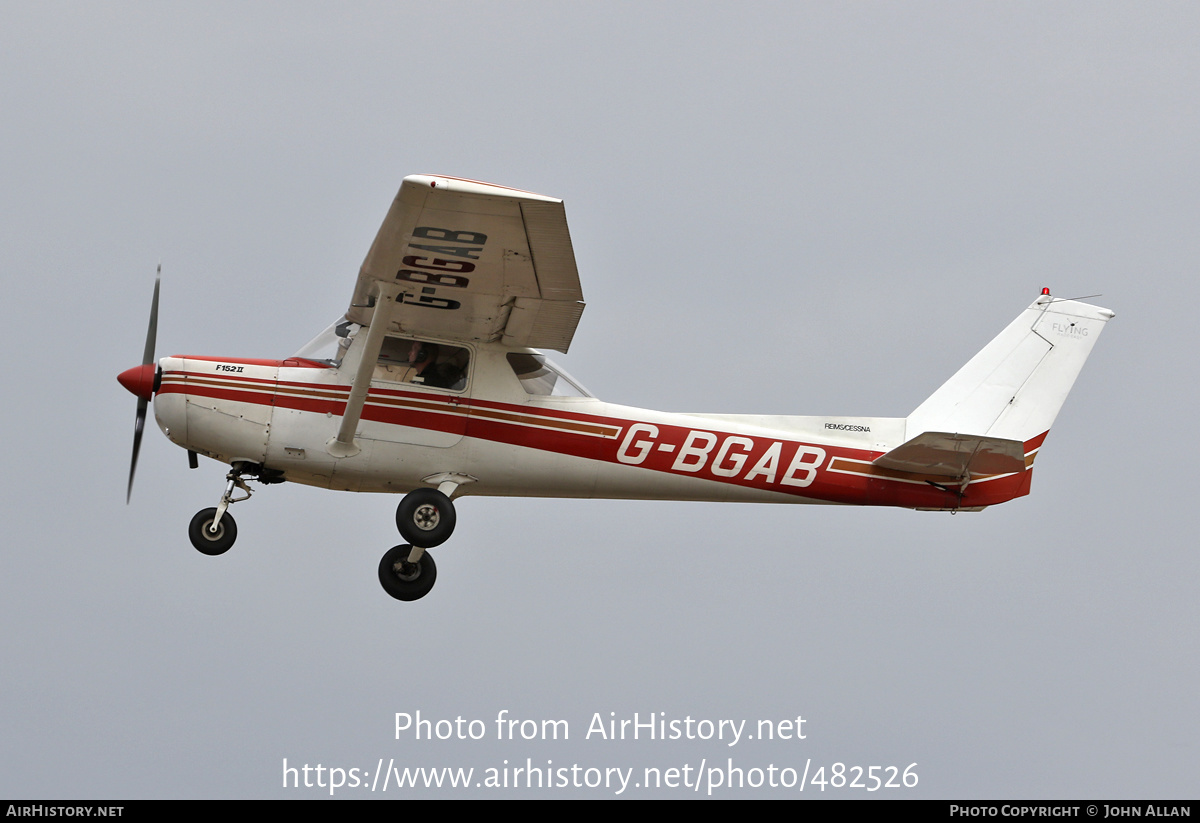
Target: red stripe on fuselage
765	463
290	363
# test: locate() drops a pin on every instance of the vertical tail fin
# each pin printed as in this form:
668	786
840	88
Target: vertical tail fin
1014	387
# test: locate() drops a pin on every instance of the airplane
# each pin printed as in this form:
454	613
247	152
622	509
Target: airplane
433	385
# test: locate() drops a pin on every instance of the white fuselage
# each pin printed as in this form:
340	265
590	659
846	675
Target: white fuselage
499	440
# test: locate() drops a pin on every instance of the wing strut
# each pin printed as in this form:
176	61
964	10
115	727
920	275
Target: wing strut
343	444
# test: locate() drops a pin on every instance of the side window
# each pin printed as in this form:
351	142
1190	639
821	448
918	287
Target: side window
421	363
542	378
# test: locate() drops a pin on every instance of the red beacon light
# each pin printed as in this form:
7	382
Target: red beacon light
1046	290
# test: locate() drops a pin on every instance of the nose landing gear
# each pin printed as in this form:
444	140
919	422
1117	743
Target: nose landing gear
212	531
211	536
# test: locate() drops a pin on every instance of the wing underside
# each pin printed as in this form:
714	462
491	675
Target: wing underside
473	262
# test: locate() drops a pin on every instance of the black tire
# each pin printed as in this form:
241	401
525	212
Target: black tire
404	580
425	518
205	541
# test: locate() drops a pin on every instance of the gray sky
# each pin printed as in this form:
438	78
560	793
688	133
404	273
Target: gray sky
807	208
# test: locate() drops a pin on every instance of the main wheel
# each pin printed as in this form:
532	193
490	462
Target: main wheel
404	580
208	542
425	518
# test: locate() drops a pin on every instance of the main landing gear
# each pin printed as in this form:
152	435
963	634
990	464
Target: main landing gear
407	572
425	518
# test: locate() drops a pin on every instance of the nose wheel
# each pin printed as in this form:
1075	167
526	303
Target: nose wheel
208	540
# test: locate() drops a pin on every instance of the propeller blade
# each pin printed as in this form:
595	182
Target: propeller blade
138	425
152	330
143	402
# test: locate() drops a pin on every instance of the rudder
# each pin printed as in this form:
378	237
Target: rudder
1014	387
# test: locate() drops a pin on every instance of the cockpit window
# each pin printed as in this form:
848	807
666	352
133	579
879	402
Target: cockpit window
330	345
541	377
423	363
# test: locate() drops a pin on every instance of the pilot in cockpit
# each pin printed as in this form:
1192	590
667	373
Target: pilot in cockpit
422	363
423	359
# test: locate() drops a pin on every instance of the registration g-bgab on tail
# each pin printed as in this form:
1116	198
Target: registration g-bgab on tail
433	385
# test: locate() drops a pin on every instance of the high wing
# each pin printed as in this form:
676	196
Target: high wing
475	262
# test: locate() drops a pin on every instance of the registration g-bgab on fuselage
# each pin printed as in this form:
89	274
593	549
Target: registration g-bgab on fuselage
433	385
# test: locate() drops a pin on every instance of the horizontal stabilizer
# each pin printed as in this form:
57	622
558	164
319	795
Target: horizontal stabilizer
955	455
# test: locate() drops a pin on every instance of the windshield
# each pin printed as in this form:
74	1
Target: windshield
540	376
330	345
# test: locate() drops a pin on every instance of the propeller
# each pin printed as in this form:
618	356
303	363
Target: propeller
143	381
